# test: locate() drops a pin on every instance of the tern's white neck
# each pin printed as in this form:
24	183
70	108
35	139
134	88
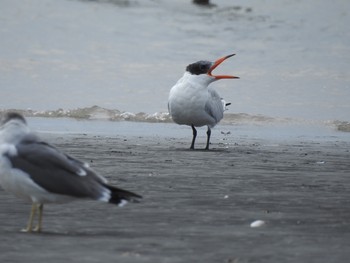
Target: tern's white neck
202	80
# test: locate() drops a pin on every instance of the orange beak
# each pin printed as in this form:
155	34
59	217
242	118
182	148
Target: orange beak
217	63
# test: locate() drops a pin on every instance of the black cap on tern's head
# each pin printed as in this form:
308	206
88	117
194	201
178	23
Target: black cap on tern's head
12	116
206	67
199	67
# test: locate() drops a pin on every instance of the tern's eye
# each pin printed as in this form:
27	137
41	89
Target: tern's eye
203	68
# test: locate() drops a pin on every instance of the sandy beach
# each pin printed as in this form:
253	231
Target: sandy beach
93	78
197	205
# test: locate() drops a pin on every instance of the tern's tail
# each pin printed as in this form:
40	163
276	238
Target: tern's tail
224	105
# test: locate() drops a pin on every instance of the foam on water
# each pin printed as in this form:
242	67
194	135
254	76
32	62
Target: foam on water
100	113
95	113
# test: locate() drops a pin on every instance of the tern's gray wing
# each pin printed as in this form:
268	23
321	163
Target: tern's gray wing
56	172
214	106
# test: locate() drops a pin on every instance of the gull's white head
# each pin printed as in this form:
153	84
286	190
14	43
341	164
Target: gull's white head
13	127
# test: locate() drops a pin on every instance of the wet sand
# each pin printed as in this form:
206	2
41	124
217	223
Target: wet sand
197	205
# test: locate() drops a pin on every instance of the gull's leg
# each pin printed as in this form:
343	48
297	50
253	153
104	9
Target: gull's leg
194	137
40	218
31	217
208	138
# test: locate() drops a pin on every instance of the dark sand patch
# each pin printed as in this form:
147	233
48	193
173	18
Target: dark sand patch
197	205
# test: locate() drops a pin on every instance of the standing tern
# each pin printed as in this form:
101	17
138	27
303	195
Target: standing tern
40	173
192	102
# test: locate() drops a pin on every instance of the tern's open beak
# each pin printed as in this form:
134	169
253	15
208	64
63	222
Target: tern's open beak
217	63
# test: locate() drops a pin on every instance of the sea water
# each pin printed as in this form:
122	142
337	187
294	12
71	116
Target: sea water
117	59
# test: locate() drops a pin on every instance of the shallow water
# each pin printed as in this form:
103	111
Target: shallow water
292	56
222	134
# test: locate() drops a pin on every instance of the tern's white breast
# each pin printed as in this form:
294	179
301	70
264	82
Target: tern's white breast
187	100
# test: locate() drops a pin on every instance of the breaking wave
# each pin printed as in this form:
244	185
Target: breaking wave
99	113
343	126
95	113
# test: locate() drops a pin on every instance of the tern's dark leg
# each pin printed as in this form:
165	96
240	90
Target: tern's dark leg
194	137
208	138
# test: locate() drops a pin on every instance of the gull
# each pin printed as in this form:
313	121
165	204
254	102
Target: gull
40	173
193	102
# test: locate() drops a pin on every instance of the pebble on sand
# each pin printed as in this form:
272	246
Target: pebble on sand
257	223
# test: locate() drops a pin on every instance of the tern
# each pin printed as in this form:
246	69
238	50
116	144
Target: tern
193	102
40	173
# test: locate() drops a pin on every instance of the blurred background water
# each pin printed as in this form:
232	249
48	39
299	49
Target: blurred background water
293	56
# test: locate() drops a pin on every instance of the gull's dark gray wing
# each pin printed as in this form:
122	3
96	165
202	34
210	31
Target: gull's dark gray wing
59	173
